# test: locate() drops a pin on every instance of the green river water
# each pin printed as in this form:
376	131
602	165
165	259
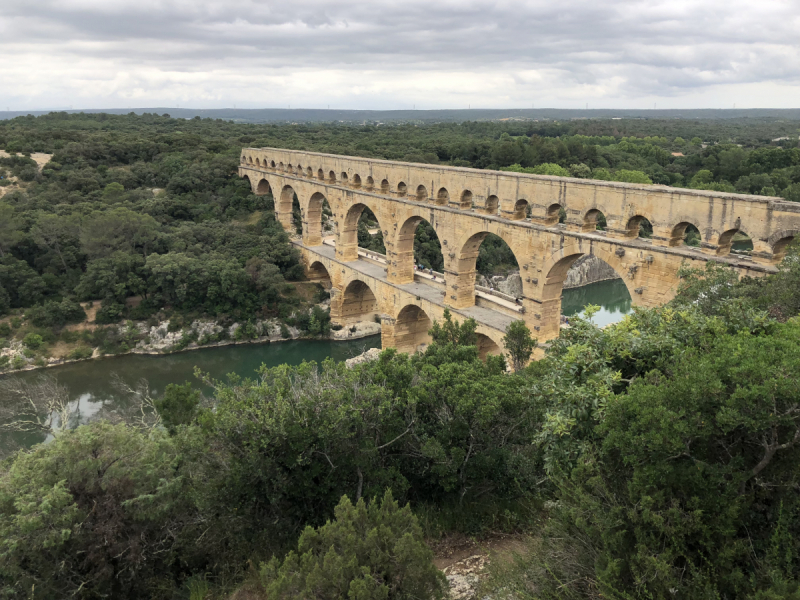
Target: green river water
90	383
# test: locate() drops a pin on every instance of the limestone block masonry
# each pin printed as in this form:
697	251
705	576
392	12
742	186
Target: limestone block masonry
465	205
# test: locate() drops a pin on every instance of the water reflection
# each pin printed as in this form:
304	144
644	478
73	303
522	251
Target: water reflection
612	296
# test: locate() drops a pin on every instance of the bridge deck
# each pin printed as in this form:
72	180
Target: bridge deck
483	316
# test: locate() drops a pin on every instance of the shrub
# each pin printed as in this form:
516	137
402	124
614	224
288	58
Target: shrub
33	341
5	330
178	406
80	353
56	314
367	552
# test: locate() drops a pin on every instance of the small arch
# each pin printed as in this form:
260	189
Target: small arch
422	193
332	177
594	220
466	199
344	178
487	346
272	164
317	273
442	196
321	175
299	171
521	210
555	214
492	205
780	246
370	182
358	303
735	241
384	186
280	167
290	168
685	234
249	160
639	227
411	329
402	189
356	181
263	188
310	173
258	163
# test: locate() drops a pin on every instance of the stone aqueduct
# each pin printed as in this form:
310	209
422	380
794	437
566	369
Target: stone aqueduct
465	205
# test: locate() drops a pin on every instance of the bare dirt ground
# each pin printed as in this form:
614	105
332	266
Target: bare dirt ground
41	160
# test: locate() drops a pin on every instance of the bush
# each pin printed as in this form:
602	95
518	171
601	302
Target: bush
56	314
367	552
109	312
80	353
33	341
178	406
5	330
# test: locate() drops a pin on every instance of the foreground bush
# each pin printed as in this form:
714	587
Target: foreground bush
373	552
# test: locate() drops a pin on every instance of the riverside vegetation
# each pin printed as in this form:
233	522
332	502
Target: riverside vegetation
655	458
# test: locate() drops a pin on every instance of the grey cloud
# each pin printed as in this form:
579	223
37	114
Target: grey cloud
618	48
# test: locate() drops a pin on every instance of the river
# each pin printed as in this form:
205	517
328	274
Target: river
91	387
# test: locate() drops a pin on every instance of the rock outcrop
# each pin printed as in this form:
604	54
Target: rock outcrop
588	269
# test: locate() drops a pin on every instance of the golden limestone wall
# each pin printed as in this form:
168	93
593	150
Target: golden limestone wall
464	205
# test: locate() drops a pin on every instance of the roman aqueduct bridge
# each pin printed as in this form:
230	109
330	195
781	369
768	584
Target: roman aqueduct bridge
465	205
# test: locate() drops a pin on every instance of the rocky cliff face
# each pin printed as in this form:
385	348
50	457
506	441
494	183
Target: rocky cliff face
588	269
585	270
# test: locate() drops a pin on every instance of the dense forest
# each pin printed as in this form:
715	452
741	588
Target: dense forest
655	458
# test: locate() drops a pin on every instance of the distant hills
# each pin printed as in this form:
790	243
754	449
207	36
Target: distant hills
310	115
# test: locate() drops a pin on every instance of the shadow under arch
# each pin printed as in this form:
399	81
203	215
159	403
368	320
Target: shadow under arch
779	242
263	188
358	303
487	346
318	273
411	329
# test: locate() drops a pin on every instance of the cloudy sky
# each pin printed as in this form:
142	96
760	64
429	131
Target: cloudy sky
387	54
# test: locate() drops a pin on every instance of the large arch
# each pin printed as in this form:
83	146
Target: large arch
406	243
355	304
411	328
727	239
465	266
678	233
318	273
779	242
487	346
555	273
284	205
312	219
347	241
263	188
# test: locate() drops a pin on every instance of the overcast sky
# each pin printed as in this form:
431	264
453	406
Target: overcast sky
388	54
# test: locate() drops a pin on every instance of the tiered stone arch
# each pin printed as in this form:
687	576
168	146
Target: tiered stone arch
318	273
263	188
403	263
312	219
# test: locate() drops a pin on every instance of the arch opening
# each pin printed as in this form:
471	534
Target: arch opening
280	167
735	241
556	214
358	304
317	273
442	196
310	173
639	227
263	188
492	205
487	346
466	199
297	215
411	329
685	234
402	189
418	251
344	178
272	164
370	182
356	181
332	177
290	169
384	187
258	162
300	171
319	221
522	210
594	220
370	236
422	193
780	247
321	175
487	264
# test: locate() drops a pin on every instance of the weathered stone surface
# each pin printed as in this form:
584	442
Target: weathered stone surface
368	356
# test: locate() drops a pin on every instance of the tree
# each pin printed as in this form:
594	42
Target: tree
117	229
519	343
10	226
178	406
59	235
368	552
